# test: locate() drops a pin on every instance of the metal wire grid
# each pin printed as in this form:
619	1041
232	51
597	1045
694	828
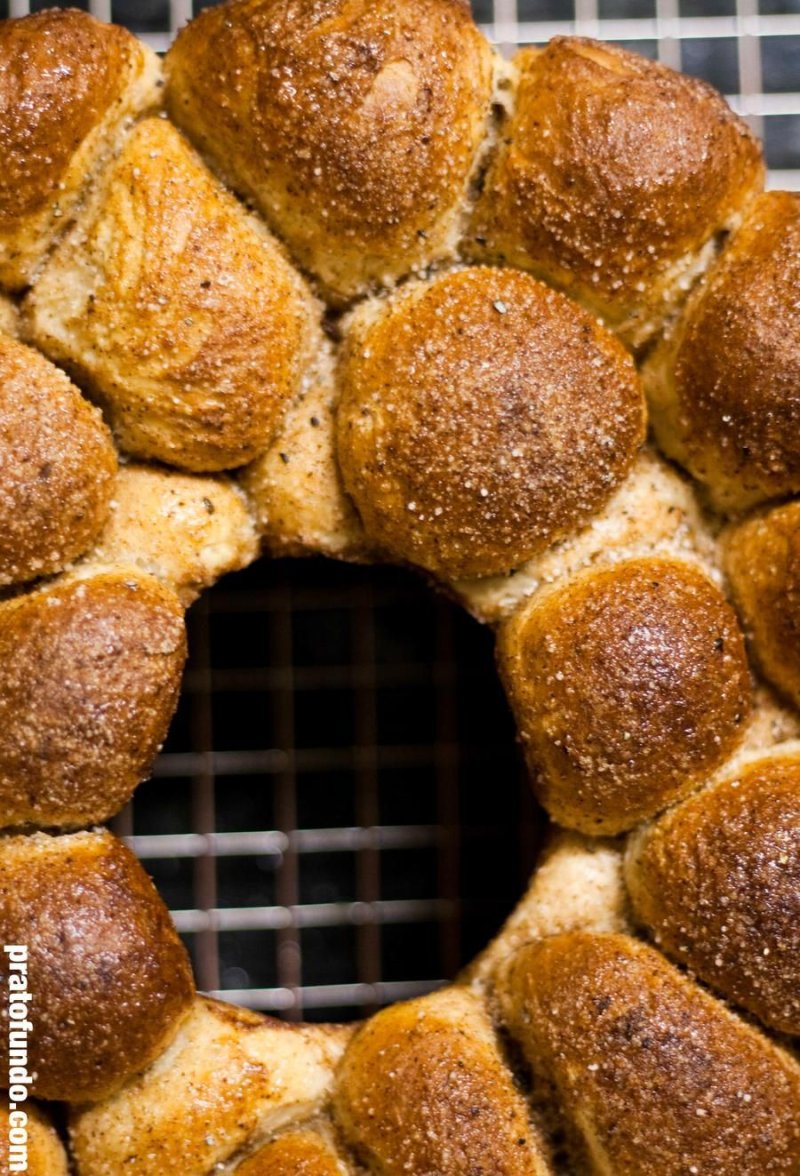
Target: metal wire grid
339	818
355	720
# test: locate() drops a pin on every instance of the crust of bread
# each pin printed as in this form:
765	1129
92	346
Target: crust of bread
423	1087
69	87
482	418
90	670
110	978
717	882
762	561
176	309
295	488
230	1078
613	179
184	529
653	512
296	1153
630	686
652	1074
46	1154
57	467
354	127
723	384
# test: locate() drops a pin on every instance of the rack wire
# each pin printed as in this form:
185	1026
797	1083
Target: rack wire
339	817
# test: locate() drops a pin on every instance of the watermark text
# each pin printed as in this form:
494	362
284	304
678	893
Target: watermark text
19	1079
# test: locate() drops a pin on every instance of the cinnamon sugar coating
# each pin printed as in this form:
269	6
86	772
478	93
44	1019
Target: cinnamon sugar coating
724	386
424	1088
717	882
483	417
354	126
90	671
230	1077
176	309
69	85
109	976
629	685
762	561
57	467
652	1075
297	1153
613	179
183	529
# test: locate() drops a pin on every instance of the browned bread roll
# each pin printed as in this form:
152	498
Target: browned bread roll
43	1153
176	309
183	529
717	882
629	685
424	1088
613	180
354	126
230	1078
68	86
109	978
482	418
723	385
57	467
297	1153
762	559
651	1074
89	676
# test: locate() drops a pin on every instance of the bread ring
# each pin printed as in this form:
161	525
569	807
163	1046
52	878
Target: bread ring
469	420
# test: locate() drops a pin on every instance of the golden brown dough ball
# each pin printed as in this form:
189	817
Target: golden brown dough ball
57	467
176	308
45	1152
229	1077
724	387
90	671
183	529
612	179
762	561
653	1076
354	125
298	1153
68	86
717	881
109	979
630	687
423	1087
483	417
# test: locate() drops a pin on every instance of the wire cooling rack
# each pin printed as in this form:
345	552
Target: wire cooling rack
339	818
